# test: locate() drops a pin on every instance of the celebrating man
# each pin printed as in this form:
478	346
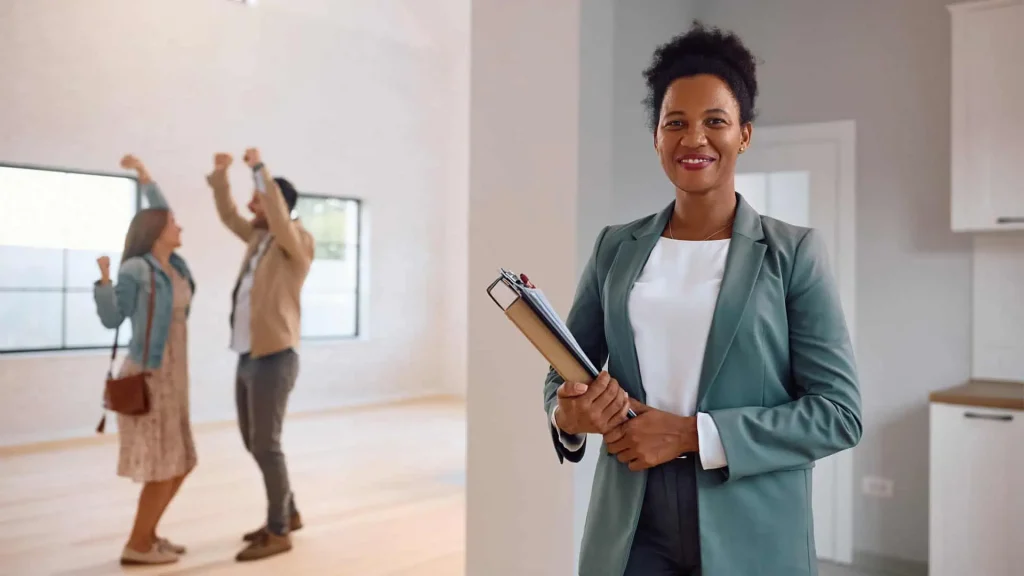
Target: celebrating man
265	321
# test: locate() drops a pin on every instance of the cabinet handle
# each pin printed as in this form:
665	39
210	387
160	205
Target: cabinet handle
1010	220
996	417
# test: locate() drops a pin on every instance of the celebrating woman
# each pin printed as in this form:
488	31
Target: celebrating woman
157	448
723	330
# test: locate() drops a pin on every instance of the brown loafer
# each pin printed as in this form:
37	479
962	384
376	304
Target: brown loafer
265	545
295	523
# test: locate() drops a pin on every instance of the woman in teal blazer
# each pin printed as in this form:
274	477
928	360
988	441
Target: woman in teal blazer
723	330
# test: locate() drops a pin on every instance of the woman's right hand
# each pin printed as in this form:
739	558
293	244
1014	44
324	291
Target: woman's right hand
104	263
591	409
131	162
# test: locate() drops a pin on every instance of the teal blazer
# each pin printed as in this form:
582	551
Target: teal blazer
778	379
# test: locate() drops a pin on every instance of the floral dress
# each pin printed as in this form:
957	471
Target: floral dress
158	445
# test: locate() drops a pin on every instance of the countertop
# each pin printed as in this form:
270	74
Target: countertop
983	394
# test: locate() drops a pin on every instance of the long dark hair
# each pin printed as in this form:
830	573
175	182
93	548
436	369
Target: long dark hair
143	232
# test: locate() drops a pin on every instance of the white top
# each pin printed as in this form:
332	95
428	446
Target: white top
241	337
670	309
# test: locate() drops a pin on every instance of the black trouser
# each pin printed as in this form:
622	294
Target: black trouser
667	540
262	387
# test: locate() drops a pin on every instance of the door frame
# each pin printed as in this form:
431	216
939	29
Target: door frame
842	136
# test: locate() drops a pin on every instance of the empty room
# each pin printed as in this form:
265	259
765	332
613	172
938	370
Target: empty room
511	288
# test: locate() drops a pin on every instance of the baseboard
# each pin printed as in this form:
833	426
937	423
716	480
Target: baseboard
888	565
88	438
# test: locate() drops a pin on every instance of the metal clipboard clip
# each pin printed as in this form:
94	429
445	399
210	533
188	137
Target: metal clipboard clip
514	284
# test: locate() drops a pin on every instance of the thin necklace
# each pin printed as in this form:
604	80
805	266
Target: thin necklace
706	238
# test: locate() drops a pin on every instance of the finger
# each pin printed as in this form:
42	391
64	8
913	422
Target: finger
613	414
638	465
597	386
627	456
602	410
638	406
606	398
623	416
614	436
619	447
571	389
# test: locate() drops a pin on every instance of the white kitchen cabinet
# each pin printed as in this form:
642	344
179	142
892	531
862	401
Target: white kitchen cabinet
976	524
987	150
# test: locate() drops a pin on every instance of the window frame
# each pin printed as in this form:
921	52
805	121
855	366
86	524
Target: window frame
359	267
63	290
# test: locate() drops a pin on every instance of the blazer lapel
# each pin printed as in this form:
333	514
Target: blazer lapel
250	251
626	268
742	266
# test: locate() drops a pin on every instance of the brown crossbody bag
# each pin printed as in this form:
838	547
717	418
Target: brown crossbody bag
129	395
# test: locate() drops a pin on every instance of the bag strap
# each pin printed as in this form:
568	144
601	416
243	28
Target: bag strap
149	316
149	327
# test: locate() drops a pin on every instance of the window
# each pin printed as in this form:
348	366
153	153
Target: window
330	296
782	195
54	224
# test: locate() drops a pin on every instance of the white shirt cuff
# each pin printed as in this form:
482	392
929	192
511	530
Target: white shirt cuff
712	453
571	442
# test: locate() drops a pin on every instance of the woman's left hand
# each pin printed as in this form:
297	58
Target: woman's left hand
653	438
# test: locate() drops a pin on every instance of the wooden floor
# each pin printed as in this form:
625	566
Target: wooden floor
381	492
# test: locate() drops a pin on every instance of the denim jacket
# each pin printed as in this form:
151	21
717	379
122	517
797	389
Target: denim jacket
129	298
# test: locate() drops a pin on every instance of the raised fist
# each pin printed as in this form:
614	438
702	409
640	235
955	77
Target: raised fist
130	162
221	161
252	157
104	263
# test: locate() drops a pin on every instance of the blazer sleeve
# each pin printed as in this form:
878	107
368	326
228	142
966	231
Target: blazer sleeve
826	416
586	322
115	302
227	211
286	231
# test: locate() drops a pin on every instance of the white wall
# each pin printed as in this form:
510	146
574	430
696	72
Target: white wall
640	185
348	98
455	224
524	122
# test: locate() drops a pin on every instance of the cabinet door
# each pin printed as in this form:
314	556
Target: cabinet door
975	455
988	89
1015	510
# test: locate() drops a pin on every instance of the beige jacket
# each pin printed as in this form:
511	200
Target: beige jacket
277	285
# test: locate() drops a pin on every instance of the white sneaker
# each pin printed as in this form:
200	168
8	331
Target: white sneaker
168	545
156	555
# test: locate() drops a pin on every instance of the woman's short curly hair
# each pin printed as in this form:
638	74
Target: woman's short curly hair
702	50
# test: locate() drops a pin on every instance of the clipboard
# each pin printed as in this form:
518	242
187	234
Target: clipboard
527	307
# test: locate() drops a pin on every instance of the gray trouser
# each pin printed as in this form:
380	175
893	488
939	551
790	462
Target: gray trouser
262	386
667	540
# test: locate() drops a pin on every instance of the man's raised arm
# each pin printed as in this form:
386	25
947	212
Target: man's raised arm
226	208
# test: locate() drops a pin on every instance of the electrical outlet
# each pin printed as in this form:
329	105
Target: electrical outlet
877	487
